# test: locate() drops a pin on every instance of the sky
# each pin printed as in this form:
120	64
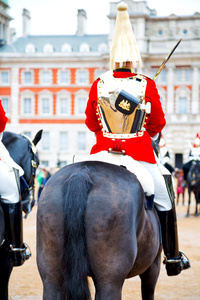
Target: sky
59	17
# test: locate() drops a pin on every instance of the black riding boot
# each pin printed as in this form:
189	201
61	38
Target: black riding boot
14	230
175	260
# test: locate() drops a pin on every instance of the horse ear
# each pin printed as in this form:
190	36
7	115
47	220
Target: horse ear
37	137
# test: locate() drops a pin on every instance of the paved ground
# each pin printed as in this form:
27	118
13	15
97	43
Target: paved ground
25	283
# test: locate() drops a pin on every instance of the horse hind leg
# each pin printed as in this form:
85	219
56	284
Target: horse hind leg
109	290
196	209
149	279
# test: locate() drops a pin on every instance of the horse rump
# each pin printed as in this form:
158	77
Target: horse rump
77	187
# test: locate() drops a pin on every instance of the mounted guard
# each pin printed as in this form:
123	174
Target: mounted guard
10	174
125	113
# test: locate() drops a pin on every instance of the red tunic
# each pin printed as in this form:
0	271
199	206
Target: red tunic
3	118
139	148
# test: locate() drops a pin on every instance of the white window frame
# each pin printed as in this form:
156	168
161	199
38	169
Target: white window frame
30	95
4	83
41	77
63	95
30	48
84	47
103	48
79	141
182	92
48	48
44	134
44	95
78	77
66	48
6	110
60	77
65	149
23	77
79	95
182	77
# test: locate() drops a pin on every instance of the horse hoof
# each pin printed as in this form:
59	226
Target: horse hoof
187	215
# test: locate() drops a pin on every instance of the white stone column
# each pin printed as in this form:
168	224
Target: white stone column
14	98
195	91
170	89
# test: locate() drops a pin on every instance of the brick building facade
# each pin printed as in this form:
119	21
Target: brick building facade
45	80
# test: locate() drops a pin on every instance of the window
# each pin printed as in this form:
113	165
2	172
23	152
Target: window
6	104
63	163
82	77
30	48
84	47
64	77
63	141
182	100
183	75
28	77
48	48
81	141
182	105
163	76
45	106
66	48
27	106
5	77
81	105
103	48
188	75
44	163
63	106
45	77
45	141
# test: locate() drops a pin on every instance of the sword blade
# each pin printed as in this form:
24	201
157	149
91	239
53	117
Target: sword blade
166	60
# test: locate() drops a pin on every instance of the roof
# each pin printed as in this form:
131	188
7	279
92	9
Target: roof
57	41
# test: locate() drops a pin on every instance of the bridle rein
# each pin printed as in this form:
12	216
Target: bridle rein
30	186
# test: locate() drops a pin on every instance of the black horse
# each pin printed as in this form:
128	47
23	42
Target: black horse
192	175
92	221
23	152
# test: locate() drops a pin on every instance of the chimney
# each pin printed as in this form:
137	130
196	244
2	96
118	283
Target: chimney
81	19
26	22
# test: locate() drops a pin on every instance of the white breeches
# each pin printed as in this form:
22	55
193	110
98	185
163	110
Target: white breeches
8	186
149	175
161	196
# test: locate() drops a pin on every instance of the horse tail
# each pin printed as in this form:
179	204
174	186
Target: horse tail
78	186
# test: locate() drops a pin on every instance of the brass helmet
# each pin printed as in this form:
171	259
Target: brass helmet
124	47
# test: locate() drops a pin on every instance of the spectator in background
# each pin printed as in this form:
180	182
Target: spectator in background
42	178
180	185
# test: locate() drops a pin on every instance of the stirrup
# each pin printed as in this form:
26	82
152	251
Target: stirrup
19	255
175	265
